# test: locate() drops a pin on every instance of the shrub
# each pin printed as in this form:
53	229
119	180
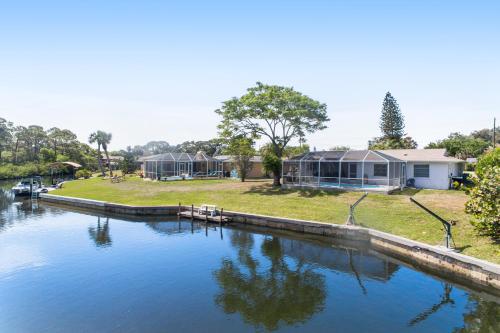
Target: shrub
488	160
456	185
484	201
83	173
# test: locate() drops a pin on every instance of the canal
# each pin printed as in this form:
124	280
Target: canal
77	271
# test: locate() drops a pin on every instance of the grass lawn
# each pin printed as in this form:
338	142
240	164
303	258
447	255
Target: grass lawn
391	213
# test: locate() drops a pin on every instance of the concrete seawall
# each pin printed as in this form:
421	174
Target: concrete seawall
437	260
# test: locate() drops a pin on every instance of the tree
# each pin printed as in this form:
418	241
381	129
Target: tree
19	134
292	151
241	149
128	164
5	135
382	143
277	113
461	146
391	121
102	139
484	203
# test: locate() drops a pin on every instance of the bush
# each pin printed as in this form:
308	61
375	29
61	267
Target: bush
9	170
484	201
456	185
488	160
83	173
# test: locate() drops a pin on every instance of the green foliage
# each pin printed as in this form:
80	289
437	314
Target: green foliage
391	121
241	149
128	164
30	148
270	161
277	113
291	151
339	148
9	170
382	143
47	155
487	161
484	202
83	173
461	146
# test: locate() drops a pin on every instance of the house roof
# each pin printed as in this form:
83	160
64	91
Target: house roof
420	155
178	157
229	158
347	156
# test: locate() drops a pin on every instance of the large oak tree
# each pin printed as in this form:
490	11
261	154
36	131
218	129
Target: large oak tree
277	113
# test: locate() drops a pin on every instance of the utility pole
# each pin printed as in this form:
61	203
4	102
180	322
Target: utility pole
494	132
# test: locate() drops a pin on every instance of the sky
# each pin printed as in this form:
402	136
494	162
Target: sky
157	70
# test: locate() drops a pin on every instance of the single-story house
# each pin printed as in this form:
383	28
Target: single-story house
374	170
226	165
430	168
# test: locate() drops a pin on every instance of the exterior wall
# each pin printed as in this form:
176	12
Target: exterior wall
257	170
439	174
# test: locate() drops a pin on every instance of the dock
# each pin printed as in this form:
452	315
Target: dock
195	215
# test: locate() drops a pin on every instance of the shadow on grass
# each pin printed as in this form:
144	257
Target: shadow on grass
267	189
408	192
462	248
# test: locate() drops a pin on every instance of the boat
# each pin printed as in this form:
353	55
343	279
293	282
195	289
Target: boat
28	185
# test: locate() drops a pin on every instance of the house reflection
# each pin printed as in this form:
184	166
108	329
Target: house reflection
100	234
347	259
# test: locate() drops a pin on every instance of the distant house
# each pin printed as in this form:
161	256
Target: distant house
374	170
226	165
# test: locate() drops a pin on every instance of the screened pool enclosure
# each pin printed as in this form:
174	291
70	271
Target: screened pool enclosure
351	169
181	165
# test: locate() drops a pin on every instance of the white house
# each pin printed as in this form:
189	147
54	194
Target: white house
372	170
430	168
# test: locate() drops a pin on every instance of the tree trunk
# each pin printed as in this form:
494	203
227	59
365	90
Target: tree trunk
100	161
14	153
277	179
109	162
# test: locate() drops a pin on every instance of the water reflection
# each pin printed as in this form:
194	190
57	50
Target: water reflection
483	316
172	228
268	295
100	233
445	299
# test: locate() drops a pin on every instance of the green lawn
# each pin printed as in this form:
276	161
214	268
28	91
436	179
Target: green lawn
391	213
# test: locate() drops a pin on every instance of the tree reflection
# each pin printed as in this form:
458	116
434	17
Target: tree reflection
272	295
100	234
483	317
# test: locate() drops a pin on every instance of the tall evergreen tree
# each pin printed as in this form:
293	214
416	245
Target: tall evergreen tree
391	121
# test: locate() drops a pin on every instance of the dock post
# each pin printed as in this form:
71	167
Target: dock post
206	213
192	211
179	208
221	212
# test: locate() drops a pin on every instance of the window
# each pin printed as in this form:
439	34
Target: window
421	171
380	170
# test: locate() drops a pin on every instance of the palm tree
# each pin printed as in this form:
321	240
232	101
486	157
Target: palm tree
102	139
106	139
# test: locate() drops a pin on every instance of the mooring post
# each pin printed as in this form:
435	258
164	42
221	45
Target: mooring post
221	212
447	225
192	211
179	212
206	213
350	218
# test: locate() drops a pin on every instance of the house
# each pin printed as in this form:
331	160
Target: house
226	165
430	168
373	170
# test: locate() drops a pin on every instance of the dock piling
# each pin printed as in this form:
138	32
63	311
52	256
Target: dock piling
192	211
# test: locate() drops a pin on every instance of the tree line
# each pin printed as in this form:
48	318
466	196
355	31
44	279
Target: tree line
28	150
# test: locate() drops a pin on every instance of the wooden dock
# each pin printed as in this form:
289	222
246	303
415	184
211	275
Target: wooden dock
195	215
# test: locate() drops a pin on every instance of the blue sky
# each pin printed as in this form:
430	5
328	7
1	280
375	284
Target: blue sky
156	70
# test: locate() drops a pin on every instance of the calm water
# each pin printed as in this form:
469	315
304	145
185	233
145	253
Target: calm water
63	271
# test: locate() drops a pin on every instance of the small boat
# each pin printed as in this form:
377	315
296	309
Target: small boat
26	185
